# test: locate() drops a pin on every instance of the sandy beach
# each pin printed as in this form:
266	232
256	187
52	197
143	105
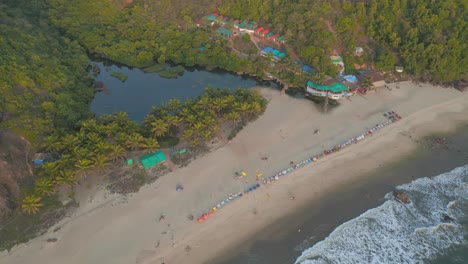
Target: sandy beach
126	229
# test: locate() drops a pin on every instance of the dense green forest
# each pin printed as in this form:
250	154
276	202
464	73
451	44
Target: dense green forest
428	38
44	84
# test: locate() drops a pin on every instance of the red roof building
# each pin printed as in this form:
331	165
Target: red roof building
215	14
265	31
259	30
275	36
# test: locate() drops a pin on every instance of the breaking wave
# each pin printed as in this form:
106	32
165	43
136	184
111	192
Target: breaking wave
432	224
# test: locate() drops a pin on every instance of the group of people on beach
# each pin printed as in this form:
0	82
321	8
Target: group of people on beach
392	117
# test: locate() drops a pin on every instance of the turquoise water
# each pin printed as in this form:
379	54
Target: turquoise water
143	90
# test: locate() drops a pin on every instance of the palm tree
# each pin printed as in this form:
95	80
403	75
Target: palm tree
53	144
48	169
134	141
368	83
101	161
159	128
172	120
45	186
84	166
191	119
121	139
150	145
198	127
82	153
111	129
66	177
70	141
204	103
101	147
31	204
232	116
207	135
188	133
93	138
116	152
121	118
219	104
64	162
89	126
174	105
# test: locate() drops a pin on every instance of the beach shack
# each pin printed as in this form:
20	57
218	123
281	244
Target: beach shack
225	32
334	91
152	159
337	60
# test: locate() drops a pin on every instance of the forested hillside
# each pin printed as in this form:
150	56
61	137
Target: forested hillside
44	84
428	38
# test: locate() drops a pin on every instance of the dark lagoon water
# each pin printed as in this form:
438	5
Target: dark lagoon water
143	90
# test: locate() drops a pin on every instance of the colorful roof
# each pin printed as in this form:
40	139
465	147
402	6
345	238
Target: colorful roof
265	31
151	160
335	88
275	36
210	17
267	50
281	38
336	59
215	14
260	29
269	34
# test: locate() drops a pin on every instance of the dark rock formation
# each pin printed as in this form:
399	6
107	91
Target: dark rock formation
401	196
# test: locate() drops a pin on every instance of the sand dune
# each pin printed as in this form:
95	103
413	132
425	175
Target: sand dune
116	229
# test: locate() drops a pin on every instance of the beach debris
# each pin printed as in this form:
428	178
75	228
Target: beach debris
188	248
447	218
52	240
162	218
157	244
316	131
401	196
190	217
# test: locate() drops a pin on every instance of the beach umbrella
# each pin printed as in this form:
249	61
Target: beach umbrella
211	213
215	209
250	189
200	220
258	185
205	216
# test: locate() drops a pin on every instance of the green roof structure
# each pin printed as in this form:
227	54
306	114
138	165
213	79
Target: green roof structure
225	32
280	38
336	59
269	34
334	88
210	17
151	160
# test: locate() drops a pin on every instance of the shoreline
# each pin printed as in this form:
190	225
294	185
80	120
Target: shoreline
284	133
281	242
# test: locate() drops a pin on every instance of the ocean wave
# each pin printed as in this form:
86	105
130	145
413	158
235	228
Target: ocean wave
402	233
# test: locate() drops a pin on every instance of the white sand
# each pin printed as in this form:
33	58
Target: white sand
116	229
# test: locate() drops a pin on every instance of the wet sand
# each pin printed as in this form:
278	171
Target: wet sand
284	241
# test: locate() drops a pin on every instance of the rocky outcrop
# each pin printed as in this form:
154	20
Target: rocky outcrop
401	196
14	170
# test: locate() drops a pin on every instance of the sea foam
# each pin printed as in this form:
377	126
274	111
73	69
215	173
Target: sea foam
402	233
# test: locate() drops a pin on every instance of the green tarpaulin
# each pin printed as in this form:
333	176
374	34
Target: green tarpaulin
130	162
151	160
